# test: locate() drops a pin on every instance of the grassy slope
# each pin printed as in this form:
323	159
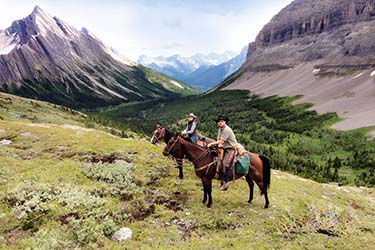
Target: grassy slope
301	214
168	82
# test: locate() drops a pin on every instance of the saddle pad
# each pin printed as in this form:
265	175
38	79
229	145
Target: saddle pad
242	164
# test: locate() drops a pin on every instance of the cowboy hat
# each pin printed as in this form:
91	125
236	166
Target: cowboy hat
222	118
192	115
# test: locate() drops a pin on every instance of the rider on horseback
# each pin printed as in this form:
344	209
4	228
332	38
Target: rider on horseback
226	140
191	128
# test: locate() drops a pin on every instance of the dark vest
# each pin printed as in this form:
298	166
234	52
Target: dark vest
190	124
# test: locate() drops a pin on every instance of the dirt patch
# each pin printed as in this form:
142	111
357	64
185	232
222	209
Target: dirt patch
173	201
108	158
156	174
12	236
142	213
64	218
326	232
186	227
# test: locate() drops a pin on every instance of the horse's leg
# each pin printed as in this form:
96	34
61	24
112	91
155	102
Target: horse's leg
208	188
179	166
180	173
204	192
266	197
251	187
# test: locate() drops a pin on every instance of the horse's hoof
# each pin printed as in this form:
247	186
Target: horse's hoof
209	205
249	201
204	201
266	206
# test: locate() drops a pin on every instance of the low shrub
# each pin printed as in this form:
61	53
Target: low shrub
118	175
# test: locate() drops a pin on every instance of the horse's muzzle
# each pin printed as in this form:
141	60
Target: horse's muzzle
165	153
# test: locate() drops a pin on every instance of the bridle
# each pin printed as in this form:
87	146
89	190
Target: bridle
161	134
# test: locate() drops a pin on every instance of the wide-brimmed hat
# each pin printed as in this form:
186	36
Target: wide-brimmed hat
221	118
191	115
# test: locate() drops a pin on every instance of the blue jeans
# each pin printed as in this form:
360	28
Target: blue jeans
194	138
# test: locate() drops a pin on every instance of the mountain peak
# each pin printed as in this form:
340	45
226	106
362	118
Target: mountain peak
37	11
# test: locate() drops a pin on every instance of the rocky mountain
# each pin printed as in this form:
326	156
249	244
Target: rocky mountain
184	68
45	58
321	49
208	77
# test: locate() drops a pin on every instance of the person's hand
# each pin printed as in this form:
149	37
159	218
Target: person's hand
209	145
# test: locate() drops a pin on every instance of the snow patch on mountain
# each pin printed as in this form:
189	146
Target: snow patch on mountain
7	42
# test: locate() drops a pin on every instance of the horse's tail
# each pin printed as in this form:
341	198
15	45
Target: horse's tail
266	172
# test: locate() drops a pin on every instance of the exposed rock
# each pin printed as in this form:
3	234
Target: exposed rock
5	142
340	32
123	234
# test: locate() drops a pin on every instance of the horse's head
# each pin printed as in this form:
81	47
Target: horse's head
158	135
173	148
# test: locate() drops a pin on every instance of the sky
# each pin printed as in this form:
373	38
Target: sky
158	27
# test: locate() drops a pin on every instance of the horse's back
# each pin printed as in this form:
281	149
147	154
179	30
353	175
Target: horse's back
255	159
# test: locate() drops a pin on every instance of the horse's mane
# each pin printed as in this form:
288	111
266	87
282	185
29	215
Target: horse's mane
193	144
168	135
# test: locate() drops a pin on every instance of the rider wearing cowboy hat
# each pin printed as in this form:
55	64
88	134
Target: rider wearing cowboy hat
191	128
226	140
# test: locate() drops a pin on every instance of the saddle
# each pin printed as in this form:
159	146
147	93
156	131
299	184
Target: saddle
240	163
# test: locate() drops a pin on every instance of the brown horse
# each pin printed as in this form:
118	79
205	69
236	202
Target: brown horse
162	133
204	166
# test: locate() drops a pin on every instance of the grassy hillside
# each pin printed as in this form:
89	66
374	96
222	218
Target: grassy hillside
71	187
168	82
295	139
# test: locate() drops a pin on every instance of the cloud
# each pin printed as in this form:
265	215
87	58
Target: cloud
172	23
167	46
158	27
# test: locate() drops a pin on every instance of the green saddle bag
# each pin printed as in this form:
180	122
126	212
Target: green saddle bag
242	164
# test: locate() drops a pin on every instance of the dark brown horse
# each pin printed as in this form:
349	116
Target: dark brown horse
204	166
162	133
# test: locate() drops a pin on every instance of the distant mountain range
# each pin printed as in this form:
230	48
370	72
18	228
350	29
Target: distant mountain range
322	50
43	57
201	71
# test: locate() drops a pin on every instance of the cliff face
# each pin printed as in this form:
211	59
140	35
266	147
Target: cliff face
45	58
322	50
338	32
306	17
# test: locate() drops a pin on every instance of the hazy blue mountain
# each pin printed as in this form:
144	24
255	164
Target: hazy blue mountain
208	77
181	67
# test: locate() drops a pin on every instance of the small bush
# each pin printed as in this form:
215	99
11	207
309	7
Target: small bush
31	202
119	177
73	199
329	222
